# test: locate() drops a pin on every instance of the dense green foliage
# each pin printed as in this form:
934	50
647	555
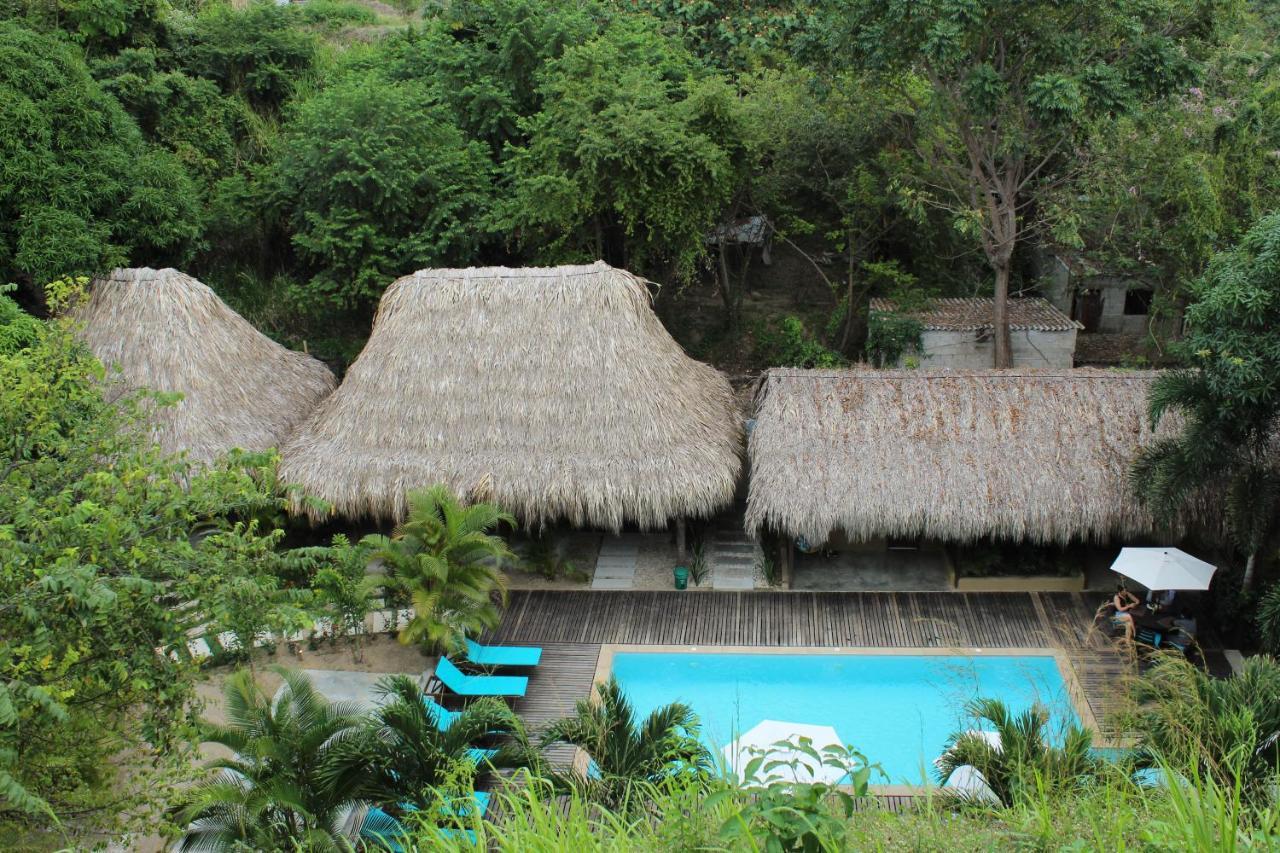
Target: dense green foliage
1228	398
80	189
102	575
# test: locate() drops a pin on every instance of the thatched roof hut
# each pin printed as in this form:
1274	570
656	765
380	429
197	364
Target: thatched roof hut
554	392
168	332
1041	456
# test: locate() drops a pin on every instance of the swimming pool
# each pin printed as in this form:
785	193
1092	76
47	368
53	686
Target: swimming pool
897	709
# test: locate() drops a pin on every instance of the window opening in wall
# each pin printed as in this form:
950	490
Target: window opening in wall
1138	302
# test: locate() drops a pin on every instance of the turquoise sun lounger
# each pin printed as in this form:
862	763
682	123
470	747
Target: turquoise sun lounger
502	655
479	685
442	715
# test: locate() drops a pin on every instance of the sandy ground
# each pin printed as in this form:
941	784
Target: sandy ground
656	558
382	653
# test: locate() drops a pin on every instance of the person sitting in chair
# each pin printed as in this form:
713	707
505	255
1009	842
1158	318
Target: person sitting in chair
1123	602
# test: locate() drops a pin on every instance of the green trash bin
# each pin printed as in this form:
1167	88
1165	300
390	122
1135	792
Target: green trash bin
682	577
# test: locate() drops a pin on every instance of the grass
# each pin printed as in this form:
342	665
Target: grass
1112	814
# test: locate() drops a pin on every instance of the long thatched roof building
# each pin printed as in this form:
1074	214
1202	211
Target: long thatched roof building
168	332
1032	455
554	392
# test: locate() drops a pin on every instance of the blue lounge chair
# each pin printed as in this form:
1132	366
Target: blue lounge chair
388	833
479	685
502	655
478	756
442	715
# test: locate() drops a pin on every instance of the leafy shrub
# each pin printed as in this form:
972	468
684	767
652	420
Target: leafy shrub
890	336
1026	761
333	14
785	816
1224	729
545	556
789	344
18	329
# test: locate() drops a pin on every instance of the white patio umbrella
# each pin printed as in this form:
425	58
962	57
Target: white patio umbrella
760	740
1164	568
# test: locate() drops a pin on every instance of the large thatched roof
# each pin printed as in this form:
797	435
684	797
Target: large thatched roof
168	332
953	455
555	392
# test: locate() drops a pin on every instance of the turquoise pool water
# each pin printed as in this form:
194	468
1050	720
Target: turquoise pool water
897	710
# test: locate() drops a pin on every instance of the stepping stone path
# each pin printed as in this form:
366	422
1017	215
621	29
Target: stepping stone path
732	555
616	565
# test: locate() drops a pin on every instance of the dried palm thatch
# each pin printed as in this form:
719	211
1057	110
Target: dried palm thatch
554	392
168	332
1032	455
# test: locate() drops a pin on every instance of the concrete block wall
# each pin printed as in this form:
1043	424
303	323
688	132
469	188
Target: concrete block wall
976	350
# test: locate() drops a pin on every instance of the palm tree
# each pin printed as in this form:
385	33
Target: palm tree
403	754
1215	449
623	752
270	794
1022	758
448	562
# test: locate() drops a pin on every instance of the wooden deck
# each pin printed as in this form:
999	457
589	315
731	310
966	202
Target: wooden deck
571	627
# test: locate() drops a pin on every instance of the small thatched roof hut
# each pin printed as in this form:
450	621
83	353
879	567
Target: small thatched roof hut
1041	456
554	392
168	332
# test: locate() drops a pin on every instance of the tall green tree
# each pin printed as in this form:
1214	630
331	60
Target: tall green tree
1227	400
101	579
827	164
80	190
1010	87
630	159
378	181
447	559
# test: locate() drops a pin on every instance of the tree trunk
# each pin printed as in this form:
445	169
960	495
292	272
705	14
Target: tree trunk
1000	315
727	290
853	337
1249	565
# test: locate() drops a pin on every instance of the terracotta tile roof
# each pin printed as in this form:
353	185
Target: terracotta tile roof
974	314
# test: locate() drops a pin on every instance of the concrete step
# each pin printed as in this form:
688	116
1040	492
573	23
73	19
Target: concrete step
733	583
735	548
612	583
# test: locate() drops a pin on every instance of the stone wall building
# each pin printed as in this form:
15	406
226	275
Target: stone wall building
958	333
